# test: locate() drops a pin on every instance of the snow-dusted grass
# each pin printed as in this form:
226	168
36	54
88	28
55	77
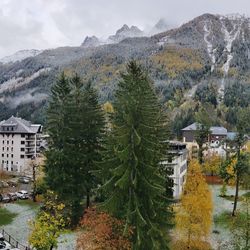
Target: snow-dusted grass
19	227
221	234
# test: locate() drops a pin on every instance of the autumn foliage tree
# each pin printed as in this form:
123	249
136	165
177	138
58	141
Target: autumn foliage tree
49	224
212	164
194	216
102	231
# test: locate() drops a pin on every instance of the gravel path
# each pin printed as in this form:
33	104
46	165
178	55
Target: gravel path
19	228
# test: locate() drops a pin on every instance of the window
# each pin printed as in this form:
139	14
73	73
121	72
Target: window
3	148
12	142
11	149
3	142
12	155
22	149
7	155
12	162
7	148
22	135
2	155
21	156
22	142
8	142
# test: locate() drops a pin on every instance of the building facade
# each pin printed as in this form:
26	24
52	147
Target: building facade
177	161
19	143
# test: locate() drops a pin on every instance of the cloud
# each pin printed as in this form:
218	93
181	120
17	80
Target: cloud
24	97
41	24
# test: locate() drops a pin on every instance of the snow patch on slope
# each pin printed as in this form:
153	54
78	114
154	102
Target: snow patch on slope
210	50
229	37
18	82
20	55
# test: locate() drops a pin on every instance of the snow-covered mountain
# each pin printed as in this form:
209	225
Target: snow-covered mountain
90	41
20	55
161	26
207	47
125	32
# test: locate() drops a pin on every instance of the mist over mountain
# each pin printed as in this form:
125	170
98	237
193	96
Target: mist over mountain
208	48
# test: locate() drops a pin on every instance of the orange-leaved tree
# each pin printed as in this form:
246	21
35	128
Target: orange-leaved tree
194	215
102	231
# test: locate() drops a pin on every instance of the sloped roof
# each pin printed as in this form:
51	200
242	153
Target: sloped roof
218	131
19	126
193	126
214	130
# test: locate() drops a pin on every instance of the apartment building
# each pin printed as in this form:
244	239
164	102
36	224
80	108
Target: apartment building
19	143
177	161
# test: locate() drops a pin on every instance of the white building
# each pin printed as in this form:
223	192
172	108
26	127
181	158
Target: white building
177	161
19	142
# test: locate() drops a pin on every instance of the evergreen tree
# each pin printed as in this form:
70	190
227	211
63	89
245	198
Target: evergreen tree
70	162
242	165
135	151
202	131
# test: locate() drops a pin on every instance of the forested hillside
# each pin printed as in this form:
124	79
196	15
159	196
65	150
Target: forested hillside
203	63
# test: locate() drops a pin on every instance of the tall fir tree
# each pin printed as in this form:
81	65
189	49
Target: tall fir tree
132	162
69	164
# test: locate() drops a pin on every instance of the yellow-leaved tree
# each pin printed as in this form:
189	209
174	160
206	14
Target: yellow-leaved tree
194	215
49	224
212	164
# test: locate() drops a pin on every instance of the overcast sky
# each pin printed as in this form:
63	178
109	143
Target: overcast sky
41	24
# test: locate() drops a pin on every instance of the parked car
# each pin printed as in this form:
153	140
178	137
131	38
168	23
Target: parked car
4	245
24	180
6	199
22	194
12	196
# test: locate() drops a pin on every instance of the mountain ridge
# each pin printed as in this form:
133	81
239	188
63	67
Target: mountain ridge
207	47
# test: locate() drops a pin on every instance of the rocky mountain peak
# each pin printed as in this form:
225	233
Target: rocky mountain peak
90	41
125	32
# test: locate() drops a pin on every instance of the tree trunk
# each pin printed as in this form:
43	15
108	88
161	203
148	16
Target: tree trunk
34	183
236	195
88	199
200	154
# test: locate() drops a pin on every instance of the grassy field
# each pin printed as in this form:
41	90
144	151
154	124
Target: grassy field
6	217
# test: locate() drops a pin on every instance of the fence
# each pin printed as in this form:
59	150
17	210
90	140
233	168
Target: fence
13	242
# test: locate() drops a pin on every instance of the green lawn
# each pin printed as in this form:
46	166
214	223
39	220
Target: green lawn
6	217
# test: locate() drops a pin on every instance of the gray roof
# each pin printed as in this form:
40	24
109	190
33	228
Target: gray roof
231	135
218	131
214	130
191	127
19	125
